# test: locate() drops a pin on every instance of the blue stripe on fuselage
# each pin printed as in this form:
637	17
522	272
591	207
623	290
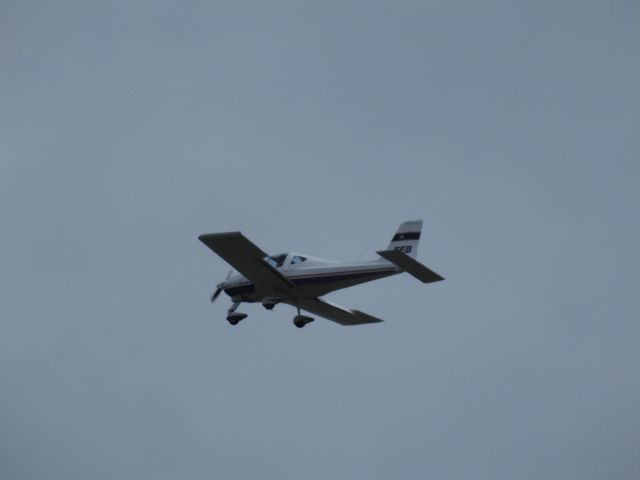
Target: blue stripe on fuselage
309	279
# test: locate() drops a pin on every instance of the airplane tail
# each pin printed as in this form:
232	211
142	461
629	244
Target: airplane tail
403	250
407	238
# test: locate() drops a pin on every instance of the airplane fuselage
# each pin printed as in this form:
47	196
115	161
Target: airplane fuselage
311	278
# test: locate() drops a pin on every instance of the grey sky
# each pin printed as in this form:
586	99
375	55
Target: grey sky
511	128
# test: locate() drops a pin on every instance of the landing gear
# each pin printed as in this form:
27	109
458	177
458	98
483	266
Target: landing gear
301	320
270	302
234	317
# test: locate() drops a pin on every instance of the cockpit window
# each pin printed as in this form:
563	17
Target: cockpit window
276	261
297	259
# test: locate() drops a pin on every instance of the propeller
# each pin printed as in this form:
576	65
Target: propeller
218	291
216	294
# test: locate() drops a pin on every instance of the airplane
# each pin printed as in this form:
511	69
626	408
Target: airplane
301	280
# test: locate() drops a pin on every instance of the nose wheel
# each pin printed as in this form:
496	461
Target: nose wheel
234	317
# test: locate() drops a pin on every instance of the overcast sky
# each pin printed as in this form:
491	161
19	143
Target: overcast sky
128	128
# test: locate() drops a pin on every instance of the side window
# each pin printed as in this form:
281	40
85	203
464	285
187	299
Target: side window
297	259
281	259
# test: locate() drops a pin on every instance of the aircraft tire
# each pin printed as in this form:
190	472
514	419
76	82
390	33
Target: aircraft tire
300	321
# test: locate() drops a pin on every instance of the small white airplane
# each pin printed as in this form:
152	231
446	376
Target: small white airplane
300	280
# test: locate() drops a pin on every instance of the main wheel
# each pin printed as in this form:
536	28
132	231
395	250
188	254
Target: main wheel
301	320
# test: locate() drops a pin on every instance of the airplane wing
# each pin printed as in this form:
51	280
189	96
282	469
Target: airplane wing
336	313
247	258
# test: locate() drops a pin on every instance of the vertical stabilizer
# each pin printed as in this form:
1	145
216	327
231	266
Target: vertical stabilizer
407	238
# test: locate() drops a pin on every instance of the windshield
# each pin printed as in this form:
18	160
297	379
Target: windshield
276	261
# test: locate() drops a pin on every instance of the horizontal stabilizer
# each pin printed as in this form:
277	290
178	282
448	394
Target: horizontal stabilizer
411	266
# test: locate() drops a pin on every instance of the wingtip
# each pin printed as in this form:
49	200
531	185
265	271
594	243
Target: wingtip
206	236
